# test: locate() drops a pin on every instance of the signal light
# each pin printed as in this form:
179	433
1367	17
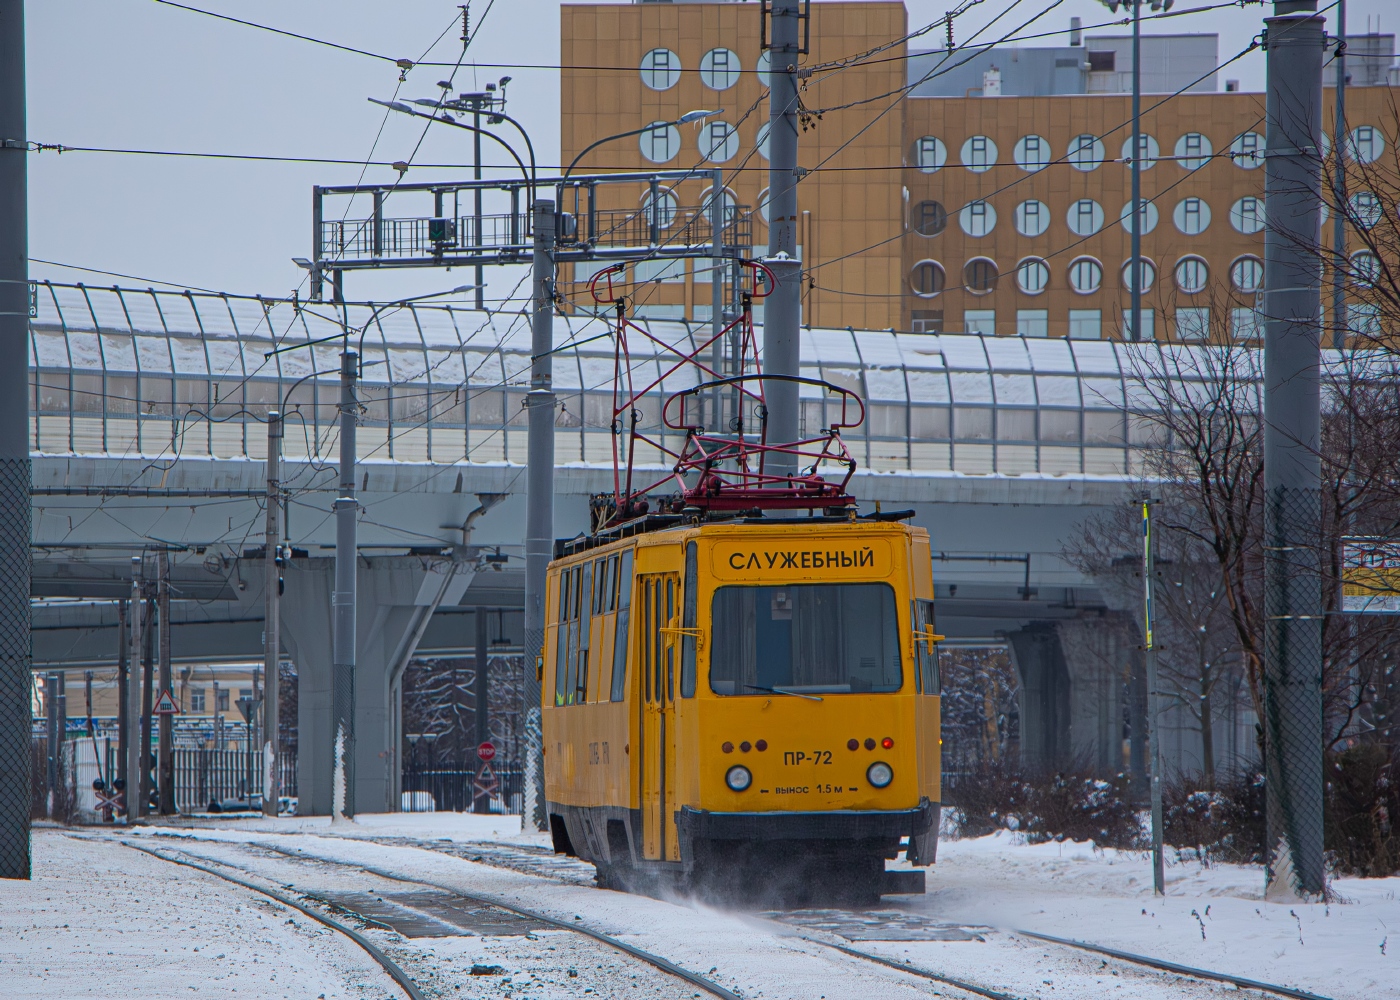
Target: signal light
879	774
727	747
853	744
746	746
887	743
738	778
761	745
869	743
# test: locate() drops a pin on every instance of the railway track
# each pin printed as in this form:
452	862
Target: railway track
543	863
435	911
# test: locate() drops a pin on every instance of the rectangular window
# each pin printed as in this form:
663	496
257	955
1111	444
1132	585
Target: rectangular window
1103	427
1033	322
1245	325
1086	324
1015	425
979	152
980	321
688	621
928	423
807	638
197	700
660	271
925	650
1194	149
1084	216
922	321
972	423
221	700
1146	321
624	613
1060	426
1192	323
1102	62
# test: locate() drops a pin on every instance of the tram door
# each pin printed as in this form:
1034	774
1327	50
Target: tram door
660	594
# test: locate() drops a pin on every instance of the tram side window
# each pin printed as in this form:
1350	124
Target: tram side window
580	685
573	593
624	612
688	616
809	638
925	652
561	647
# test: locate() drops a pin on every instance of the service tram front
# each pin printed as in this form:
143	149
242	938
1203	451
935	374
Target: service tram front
740	679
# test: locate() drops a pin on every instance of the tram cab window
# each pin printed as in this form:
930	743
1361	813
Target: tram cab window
808	638
624	613
566	647
925	652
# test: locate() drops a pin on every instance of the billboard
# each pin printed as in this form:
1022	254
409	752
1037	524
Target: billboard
1371	576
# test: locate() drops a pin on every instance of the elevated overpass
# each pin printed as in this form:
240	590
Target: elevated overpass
148	434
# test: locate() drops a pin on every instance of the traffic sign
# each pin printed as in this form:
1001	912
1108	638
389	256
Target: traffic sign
165	705
485	783
487	751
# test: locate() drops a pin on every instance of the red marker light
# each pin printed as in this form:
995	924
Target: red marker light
887	743
869	743
745	746
727	747
852	744
761	745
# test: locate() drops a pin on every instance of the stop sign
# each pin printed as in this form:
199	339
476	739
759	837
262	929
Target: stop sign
486	751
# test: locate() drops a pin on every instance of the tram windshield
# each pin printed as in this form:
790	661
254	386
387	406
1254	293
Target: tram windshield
804	639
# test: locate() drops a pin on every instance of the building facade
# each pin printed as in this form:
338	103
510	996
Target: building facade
949	192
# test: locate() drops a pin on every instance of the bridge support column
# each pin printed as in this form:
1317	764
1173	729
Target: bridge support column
1099	654
396	597
1044	700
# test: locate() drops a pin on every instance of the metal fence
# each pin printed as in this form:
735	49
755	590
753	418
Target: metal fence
455	791
226	780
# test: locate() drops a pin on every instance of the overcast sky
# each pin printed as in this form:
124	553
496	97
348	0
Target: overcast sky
136	74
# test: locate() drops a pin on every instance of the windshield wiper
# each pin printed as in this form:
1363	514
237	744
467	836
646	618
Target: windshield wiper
778	690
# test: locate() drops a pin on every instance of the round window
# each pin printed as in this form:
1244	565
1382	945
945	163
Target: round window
762	141
1366	144
1032	217
1247	216
1148	271
1192	275
1247	274
660	142
979	154
977	218
980	276
1147	217
1085	275
719	69
926	278
1247	151
930	218
1365	268
1192	216
1032	275
928	154
1086	152
1147	149
719	141
1085	217
1193	150
662	210
763	204
1032	153
1365	209
661	69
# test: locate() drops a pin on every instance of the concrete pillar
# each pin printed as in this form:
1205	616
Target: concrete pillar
1044	699
1098	655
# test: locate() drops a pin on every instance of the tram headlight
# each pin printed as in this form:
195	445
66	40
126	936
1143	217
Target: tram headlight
879	774
738	778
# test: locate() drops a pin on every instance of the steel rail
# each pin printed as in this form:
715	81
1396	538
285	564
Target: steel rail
388	964
665	965
914	970
1185	970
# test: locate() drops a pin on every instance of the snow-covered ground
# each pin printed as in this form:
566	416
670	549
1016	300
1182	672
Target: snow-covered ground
98	913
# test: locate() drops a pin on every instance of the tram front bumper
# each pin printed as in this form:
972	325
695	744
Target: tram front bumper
919	824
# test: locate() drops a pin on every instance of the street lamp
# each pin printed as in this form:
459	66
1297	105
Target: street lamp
685	119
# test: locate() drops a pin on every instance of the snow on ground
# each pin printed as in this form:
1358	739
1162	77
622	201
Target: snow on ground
982	890
99	919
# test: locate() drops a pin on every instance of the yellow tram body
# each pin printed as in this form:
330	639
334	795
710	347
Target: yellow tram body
799	651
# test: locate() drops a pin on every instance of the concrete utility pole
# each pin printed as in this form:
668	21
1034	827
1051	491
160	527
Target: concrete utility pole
53	683
1339	187
272	609
539	502
1136	289
148	701
165	774
717	294
131	766
343	602
1292	469
481	803
14	451
782	311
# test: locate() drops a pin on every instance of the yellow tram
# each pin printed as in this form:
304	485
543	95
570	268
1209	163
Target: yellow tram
745	702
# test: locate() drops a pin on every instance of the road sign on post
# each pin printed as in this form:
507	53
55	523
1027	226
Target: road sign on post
487	751
165	704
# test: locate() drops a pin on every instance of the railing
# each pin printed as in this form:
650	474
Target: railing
455	791
226	780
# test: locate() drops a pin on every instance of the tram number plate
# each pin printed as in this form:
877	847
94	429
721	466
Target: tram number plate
797	757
